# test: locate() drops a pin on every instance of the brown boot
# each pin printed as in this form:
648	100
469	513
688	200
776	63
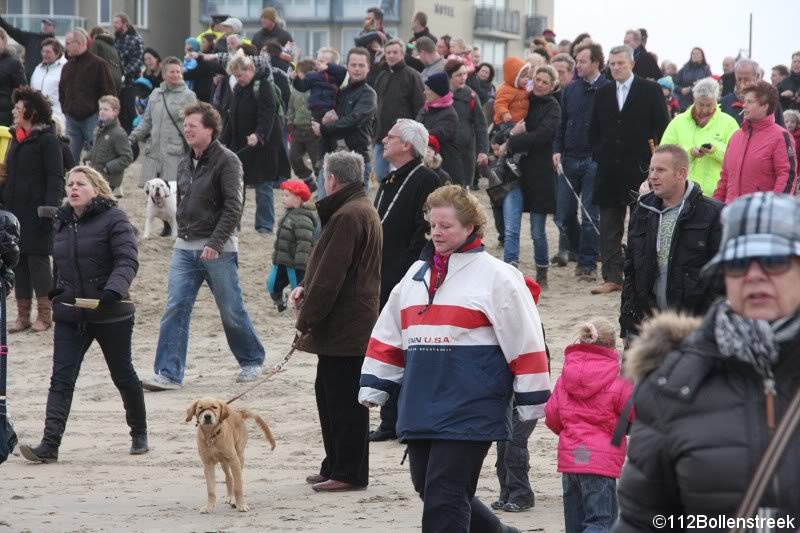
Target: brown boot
23	315
44	314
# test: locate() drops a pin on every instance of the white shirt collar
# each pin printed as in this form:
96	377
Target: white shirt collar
627	83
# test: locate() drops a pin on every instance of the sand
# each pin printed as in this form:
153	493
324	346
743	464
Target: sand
97	486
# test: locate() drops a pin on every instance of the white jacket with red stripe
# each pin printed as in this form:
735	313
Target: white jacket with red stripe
461	356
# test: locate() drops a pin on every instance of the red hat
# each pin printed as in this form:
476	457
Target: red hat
433	142
298	188
545	33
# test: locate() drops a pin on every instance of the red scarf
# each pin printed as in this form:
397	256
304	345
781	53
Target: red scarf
21	134
440	262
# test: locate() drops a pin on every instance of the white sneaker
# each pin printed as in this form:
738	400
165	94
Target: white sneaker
249	373
159	383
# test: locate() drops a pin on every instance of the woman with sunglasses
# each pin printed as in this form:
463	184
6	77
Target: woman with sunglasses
710	392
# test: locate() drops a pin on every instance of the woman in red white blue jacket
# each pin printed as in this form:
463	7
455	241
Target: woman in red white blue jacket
461	333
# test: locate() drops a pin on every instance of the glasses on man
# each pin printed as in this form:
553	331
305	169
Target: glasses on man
770	265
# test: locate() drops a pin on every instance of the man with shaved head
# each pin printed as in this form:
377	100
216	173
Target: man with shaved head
84	80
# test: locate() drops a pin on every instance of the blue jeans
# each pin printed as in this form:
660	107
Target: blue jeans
590	503
512	215
186	273
265	205
321	180
581	174
381	165
80	133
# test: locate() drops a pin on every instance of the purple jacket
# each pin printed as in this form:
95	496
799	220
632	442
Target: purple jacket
583	411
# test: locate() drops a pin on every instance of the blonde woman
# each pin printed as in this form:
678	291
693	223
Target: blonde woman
96	257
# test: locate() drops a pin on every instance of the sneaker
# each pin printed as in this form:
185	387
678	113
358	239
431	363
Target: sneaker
497	505
159	383
514	508
249	373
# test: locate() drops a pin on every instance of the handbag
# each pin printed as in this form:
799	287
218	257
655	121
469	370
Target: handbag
768	463
175	123
500	186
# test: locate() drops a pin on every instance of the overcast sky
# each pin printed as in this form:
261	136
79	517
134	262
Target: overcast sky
675	26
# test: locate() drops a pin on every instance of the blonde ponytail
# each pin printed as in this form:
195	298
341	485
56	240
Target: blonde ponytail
597	331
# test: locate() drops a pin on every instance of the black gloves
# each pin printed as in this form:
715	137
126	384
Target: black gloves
59	295
109	297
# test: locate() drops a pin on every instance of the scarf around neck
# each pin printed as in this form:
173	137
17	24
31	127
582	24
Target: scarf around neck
443	101
701	121
753	342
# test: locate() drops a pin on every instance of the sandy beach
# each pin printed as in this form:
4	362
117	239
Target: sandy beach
97	486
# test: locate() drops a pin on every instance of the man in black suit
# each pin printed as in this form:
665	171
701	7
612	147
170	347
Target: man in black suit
626	115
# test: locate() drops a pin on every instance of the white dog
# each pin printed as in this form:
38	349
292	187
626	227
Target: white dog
162	203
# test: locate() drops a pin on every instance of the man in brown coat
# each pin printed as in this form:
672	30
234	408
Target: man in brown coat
337	305
84	80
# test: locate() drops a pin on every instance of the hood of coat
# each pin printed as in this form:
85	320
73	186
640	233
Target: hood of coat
588	369
36	131
513	68
105	38
658	337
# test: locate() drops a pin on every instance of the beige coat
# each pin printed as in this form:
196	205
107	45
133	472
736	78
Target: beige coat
164	141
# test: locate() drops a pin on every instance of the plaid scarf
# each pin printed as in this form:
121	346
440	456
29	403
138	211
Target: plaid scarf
754	342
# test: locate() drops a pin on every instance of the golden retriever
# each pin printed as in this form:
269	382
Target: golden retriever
221	438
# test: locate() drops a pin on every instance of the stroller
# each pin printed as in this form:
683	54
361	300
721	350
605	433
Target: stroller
9	255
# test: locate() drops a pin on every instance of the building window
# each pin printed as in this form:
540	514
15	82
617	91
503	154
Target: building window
496	4
141	13
309	41
304	9
493	52
245	10
104	12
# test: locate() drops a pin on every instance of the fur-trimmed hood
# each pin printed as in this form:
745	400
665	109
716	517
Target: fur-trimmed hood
659	336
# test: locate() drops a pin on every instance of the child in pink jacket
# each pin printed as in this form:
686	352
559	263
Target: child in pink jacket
583	411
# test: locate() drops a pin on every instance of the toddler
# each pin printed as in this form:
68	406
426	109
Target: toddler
293	241
583	411
111	152
322	84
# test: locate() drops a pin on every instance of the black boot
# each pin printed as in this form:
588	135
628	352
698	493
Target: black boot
58	406
541	276
136	417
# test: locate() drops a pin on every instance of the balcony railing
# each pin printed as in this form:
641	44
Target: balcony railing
326	11
491	20
535	26
64	23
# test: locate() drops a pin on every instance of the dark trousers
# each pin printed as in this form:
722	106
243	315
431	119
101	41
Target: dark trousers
70	342
389	414
344	421
304	142
33	274
127	111
513	463
445	475
612	228
590	503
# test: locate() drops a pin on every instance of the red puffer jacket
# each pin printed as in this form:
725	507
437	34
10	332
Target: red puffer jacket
760	157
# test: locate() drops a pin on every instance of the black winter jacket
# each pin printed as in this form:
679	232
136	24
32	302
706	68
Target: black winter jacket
253	109
700	428
696	239
277	33
9	249
356	105
209	196
442	123
32	41
12	75
472	135
35	169
401	96
620	139
791	83
93	253
538	181
405	227
572	139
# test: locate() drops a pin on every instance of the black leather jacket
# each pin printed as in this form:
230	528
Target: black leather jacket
356	106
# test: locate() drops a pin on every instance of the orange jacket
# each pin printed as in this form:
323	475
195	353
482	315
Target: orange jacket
510	98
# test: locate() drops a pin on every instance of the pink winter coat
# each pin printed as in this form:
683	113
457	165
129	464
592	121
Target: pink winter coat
584	408
760	157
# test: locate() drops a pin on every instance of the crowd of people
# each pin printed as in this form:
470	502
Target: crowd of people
398	295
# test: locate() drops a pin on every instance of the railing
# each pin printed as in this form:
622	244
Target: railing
326	11
491	20
64	23
535	26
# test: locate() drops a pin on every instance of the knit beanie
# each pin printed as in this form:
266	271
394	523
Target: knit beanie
438	83
194	43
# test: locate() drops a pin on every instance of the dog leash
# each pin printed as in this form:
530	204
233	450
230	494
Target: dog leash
275	369
578	198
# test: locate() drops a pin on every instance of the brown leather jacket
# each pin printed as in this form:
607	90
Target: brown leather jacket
343	278
209	196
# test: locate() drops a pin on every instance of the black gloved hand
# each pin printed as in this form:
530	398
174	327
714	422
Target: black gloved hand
61	295
55	292
135	150
109	297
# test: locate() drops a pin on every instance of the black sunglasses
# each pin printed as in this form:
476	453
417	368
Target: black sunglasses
771	265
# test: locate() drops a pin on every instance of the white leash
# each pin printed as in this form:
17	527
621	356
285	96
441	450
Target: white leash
578	198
